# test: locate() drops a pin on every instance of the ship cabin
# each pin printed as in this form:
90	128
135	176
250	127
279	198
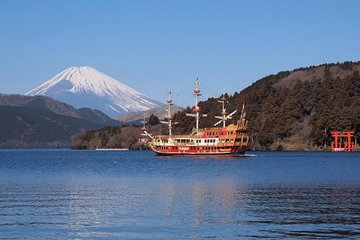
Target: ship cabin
229	136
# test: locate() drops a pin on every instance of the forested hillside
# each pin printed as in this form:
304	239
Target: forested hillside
116	137
292	110
295	109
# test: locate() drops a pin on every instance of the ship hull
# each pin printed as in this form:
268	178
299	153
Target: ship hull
234	154
232	140
227	140
200	150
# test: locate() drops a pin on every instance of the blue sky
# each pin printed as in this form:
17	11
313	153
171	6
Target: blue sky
154	45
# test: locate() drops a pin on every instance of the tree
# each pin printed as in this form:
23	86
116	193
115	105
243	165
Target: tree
153	120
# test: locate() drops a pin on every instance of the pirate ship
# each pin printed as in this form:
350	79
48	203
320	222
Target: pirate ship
220	139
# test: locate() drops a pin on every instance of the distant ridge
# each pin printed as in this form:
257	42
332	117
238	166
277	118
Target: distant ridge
86	87
57	107
136	117
40	121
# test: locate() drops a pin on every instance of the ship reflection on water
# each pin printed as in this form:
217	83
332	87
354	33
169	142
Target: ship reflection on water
126	195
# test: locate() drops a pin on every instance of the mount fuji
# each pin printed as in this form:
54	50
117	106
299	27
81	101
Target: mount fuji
86	87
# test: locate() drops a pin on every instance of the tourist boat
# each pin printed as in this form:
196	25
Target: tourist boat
229	139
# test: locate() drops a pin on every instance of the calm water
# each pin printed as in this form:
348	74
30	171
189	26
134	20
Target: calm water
65	194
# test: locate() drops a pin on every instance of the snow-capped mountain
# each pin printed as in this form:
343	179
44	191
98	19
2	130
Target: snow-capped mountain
87	87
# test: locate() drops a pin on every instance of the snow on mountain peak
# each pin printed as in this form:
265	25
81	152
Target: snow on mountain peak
87	87
83	79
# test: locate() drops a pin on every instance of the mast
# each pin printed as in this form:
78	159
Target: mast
243	114
168	116
196	108
223	112
242	122
143	129
223	116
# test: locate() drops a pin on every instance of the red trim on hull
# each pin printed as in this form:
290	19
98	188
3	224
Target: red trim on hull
232	151
198	154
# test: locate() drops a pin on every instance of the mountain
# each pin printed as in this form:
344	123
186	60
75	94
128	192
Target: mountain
87	87
40	121
24	127
57	107
137	117
293	110
290	110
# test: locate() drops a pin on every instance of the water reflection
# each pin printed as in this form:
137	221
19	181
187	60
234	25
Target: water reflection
188	209
182	199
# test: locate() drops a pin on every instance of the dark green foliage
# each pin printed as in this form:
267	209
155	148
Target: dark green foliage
108	137
327	100
153	120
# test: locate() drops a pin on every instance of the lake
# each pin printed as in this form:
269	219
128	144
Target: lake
68	194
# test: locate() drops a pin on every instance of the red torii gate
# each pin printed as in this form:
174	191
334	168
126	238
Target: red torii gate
343	141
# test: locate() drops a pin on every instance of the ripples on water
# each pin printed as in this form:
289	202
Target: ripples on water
64	194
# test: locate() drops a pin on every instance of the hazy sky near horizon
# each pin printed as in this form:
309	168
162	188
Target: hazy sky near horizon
157	45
